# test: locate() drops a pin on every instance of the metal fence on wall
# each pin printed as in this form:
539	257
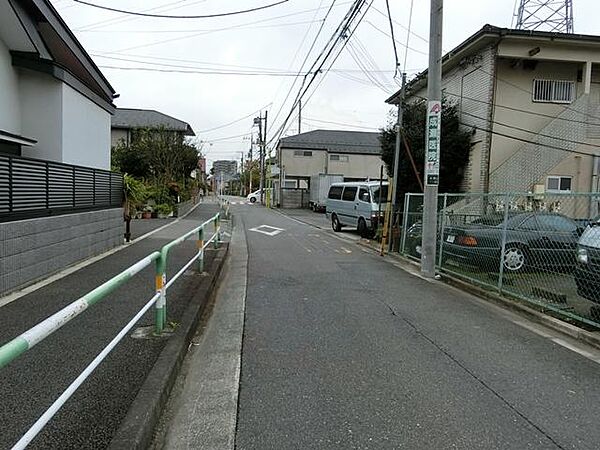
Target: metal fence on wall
32	188
541	248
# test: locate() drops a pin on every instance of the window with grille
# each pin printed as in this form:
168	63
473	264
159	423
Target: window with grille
340	158
553	91
558	184
303	153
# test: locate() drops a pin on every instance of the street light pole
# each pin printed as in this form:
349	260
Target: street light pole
432	142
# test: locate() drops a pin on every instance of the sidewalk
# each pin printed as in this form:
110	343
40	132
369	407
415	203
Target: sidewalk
32	382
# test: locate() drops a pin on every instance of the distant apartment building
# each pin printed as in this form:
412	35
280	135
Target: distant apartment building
532	100
225	169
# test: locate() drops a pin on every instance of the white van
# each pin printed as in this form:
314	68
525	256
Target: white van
356	205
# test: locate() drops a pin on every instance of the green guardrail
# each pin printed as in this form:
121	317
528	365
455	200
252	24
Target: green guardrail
25	341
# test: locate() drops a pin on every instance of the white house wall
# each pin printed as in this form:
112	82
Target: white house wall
85	130
10	108
41	114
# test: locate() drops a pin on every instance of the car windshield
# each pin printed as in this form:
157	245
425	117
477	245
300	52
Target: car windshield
384	194
591	237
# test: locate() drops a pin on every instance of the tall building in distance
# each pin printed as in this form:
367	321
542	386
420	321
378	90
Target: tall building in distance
225	168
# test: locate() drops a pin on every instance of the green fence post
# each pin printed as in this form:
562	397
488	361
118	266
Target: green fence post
201	249
161	303
217	237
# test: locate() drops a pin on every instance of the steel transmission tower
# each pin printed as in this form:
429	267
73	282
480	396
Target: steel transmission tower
545	15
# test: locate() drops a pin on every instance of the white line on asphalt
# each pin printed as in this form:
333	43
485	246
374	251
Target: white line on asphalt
68	271
267	229
346	250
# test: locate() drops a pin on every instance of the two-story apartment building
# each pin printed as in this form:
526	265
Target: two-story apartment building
532	99
354	154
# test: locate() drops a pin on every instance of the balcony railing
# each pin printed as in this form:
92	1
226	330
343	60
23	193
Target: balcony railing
35	188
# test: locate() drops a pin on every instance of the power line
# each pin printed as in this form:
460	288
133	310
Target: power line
232	122
164	41
201	72
410	16
398	42
341	34
204	30
310	119
312	46
387	4
164	16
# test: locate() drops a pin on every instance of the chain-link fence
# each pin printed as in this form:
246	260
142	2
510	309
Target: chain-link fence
542	248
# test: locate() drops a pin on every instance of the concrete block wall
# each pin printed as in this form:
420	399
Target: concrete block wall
33	249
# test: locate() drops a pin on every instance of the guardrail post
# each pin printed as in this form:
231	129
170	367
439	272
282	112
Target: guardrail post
442	230
161	304
201	250
404	223
217	232
503	250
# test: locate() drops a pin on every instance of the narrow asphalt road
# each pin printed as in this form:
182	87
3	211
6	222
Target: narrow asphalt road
32	382
344	350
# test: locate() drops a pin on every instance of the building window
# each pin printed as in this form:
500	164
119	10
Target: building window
553	91
340	158
303	153
558	184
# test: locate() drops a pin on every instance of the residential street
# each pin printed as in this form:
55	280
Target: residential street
344	350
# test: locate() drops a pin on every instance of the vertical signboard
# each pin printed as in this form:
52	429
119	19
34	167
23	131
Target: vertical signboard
434	121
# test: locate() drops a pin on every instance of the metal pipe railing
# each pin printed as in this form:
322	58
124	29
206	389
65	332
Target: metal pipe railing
19	345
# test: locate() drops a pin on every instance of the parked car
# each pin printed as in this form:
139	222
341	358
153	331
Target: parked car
255	196
356	205
587	270
533	240
319	189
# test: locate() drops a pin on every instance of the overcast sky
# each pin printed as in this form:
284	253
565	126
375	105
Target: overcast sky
274	40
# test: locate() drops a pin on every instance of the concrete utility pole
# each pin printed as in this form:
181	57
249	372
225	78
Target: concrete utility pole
264	155
261	159
299	116
395	180
250	169
432	142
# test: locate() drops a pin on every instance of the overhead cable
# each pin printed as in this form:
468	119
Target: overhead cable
165	16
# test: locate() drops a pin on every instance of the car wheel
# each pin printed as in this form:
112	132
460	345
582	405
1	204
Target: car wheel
252	199
335	223
362	229
515	258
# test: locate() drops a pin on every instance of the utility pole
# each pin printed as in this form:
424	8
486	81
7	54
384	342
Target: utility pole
264	155
241	174
432	142
395	179
250	169
299	116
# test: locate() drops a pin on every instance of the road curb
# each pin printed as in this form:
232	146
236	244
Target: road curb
137	429
532	314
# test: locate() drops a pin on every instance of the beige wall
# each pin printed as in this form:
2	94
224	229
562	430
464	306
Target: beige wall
357	166
303	166
513	89
116	135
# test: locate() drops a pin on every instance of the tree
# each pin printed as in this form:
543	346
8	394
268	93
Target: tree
455	148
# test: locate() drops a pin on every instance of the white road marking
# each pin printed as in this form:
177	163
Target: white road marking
267	229
346	250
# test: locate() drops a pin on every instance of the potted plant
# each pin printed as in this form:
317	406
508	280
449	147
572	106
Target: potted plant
147	212
163	210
